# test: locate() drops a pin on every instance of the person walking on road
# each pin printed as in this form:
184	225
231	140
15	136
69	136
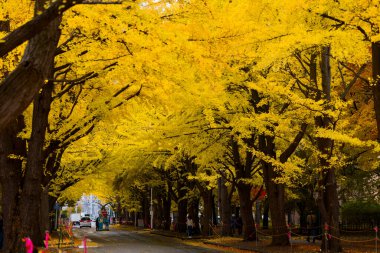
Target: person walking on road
190	226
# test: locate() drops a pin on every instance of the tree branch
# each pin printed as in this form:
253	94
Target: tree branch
34	26
293	146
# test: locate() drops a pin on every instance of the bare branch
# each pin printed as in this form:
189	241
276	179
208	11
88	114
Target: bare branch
353	81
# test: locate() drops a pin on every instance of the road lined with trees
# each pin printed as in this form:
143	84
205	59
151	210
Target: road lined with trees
118	241
190	101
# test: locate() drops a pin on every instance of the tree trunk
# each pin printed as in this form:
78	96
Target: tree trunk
167	202
266	215
182	206
225	209
328	201
44	211
20	87
32	189
206	219
249	229
276	194
258	212
11	177
193	207
182	215
376	86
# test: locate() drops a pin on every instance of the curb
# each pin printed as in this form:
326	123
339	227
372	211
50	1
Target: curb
175	235
234	247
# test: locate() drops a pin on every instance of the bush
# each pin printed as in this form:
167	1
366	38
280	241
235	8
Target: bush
359	212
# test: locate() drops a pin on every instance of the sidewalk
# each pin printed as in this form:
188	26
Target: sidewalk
67	245
236	244
350	244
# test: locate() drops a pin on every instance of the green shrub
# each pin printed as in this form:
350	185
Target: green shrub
361	212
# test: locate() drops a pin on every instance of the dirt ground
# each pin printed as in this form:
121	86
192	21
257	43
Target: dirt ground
299	245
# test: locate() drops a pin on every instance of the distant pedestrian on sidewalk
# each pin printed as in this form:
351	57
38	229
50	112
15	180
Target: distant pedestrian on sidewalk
239	225
190	226
311	223
233	224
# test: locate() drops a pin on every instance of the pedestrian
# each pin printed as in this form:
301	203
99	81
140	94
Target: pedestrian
190	226
311	223
233	224
239	225
97	224
28	245
47	238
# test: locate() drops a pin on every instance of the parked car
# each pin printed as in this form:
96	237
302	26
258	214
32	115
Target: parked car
76	224
85	222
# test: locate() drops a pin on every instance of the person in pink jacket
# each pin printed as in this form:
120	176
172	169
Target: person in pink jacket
28	245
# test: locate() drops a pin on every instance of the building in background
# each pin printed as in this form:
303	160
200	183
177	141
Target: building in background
89	206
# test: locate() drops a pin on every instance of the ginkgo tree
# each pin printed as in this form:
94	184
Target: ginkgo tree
49	135
246	87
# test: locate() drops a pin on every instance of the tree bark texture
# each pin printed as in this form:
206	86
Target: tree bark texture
206	219
225	208
11	179
276	194
275	191
18	89
328	201
249	228
32	189
243	173
376	85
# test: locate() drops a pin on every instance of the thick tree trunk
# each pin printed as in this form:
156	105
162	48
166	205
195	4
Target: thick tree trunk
11	177
258	212
19	88
193	207
182	207
249	229
145	208
167	202
266	215
32	189
44	211
276	194
206	219
225	211
277	212
376	86
182	215
328	201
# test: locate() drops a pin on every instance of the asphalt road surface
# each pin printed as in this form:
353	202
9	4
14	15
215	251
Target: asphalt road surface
119	241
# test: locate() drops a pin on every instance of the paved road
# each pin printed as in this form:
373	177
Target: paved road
118	241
